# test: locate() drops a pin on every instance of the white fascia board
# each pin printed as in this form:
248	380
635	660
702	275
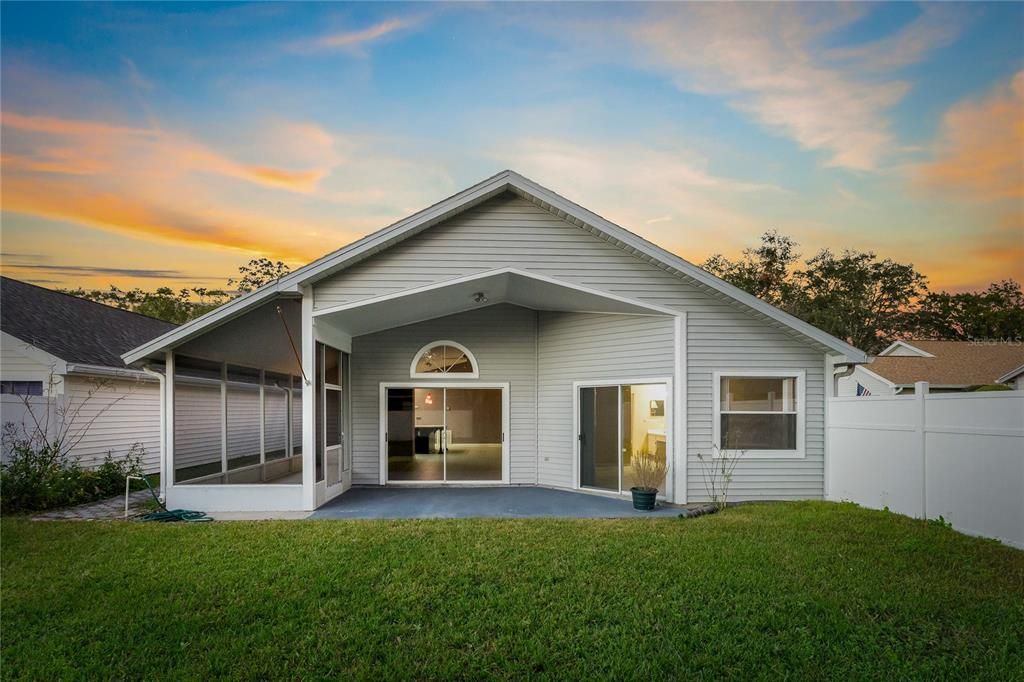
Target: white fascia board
1011	375
688	269
214	318
896	344
472	196
476	276
461	201
322	267
875	375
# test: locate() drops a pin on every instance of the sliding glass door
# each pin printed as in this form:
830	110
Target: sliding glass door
441	434
599	434
617	422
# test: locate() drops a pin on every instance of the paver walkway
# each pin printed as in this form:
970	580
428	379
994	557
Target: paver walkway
104	510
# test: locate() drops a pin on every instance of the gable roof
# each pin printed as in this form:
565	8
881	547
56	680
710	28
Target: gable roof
71	328
1011	375
900	347
505	181
950	363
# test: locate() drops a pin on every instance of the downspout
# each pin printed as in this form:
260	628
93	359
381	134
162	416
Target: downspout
849	369
163	429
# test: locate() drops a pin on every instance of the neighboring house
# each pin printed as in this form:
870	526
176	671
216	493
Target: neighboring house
1014	378
62	354
504	336
946	366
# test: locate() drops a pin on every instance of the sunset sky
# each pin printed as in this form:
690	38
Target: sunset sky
167	144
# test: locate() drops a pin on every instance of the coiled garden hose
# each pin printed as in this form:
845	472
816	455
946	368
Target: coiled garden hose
171	514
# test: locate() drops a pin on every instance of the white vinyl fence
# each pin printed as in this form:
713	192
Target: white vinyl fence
955	455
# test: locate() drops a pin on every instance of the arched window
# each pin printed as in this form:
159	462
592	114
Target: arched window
445	359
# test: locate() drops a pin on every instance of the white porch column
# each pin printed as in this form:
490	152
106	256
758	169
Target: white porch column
223	418
167	473
308	342
680	450
263	418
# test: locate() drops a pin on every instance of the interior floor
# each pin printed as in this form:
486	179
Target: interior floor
466	462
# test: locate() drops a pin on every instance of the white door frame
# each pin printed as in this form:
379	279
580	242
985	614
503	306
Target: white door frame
324	489
670	457
506	464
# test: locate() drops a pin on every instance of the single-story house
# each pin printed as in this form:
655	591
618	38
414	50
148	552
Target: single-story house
947	366
504	336
1014	378
62	355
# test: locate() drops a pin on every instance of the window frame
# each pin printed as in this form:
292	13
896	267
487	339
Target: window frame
14	384
475	374
800	375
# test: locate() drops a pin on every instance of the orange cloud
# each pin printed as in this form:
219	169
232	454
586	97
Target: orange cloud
64	126
129	214
353	40
979	152
91	147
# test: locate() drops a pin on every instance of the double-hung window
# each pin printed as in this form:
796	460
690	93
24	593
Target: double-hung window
759	414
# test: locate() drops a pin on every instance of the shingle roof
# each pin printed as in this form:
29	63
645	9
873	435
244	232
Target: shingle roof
956	363
71	328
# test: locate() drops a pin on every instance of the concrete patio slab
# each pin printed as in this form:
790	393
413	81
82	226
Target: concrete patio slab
259	516
482	502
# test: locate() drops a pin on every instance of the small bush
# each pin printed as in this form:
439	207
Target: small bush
38	476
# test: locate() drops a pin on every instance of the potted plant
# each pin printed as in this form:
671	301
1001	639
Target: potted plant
648	473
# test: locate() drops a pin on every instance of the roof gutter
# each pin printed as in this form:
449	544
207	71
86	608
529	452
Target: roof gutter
848	369
104	371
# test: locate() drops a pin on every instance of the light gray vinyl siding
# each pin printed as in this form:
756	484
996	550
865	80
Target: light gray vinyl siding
243	420
197	423
727	340
502	338
510	231
587	347
110	416
18	365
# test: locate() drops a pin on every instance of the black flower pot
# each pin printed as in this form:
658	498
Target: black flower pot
644	498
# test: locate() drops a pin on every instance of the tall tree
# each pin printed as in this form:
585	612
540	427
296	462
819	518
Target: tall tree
764	272
859	298
853	296
258	272
995	313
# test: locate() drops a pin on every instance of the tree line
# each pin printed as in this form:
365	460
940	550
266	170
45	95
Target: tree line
852	295
186	304
867	301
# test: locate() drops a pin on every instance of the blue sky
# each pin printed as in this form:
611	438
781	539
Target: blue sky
173	142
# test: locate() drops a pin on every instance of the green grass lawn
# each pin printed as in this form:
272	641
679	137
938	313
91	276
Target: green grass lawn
805	590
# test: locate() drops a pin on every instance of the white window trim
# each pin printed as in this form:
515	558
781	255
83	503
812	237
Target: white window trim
801	413
475	374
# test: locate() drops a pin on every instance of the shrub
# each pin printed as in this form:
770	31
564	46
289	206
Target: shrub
717	474
649	470
38	475
40	472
